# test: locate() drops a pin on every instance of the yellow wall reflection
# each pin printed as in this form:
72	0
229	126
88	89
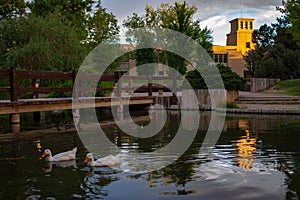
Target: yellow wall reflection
246	147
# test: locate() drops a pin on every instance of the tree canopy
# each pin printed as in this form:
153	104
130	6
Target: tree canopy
178	17
291	12
277	48
53	35
231	80
41	43
11	8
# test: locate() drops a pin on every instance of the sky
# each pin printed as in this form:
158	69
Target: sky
215	14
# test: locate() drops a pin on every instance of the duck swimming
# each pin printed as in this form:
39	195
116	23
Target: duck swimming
105	161
68	155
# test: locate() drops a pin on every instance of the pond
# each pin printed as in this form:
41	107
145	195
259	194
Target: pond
255	157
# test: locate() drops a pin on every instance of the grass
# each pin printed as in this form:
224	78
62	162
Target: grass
228	105
290	87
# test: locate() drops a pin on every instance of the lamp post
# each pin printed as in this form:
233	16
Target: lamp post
36	85
36	115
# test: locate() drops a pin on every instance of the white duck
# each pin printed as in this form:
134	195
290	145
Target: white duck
105	161
68	155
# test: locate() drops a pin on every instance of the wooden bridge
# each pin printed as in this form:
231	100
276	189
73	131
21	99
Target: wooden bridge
133	94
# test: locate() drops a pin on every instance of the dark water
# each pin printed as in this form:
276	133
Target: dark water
256	157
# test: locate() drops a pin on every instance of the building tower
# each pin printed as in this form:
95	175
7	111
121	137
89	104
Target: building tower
241	34
239	42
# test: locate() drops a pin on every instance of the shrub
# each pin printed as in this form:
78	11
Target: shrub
231	80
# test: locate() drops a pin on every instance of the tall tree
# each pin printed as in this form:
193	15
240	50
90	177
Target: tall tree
11	8
101	25
291	12
276	54
90	19
40	43
74	11
178	17
54	36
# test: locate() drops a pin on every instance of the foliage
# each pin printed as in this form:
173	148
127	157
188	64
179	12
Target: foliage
276	54
73	11
290	87
11	9
101	25
178	17
228	105
60	84
106	84
195	80
231	80
56	35
231	105
92	22
291	12
40	43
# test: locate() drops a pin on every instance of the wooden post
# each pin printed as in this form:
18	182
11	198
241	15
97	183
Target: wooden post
118	85
75	86
174	89
15	128
15	118
150	87
13	79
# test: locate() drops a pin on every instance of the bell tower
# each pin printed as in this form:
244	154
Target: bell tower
241	34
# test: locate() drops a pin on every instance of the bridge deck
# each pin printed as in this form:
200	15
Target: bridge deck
35	105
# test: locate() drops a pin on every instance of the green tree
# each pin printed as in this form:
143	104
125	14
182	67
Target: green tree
231	80
291	12
178	17
55	35
11	8
90	19
276	54
73	11
101	26
40	43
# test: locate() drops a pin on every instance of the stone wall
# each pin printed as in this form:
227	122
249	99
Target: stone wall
202	99
260	84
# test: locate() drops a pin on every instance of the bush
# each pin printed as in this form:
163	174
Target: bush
231	80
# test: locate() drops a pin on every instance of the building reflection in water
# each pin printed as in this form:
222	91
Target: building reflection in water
246	146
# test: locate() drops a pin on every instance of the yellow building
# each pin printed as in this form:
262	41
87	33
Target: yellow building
239	42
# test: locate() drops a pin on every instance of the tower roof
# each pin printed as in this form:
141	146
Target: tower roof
241	18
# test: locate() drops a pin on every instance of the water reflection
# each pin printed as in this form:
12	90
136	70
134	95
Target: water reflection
246	149
256	157
69	163
95	181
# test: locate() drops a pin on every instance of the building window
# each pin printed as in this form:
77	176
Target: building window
225	58
248	45
251	25
242	25
221	58
216	58
246	25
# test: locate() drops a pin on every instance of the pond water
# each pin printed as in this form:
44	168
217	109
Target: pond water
256	157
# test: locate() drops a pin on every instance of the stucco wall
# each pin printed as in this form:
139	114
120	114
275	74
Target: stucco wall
260	84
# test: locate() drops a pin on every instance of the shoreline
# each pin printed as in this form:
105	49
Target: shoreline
259	111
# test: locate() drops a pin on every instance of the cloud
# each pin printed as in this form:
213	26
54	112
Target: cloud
214	22
214	14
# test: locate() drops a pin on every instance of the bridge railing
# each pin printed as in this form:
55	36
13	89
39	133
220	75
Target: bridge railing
148	84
